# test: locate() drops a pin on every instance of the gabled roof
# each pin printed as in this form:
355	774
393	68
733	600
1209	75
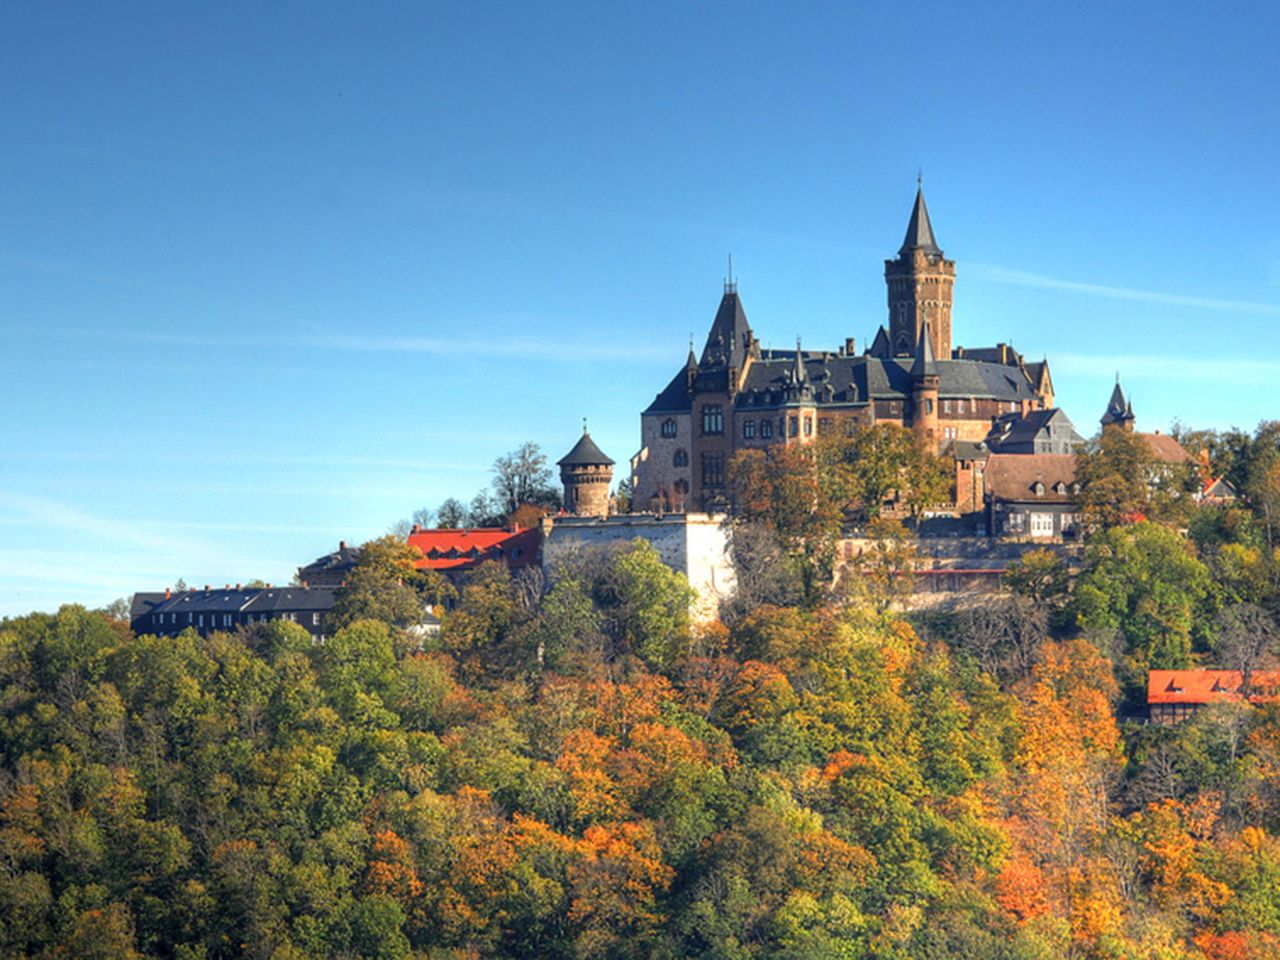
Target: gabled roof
880	345
585	453
1013	476
919	229
1165	448
1016	431
1205	686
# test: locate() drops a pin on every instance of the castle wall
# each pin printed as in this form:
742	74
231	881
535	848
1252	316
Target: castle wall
696	545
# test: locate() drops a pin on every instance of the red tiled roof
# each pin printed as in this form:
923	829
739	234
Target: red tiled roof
1204	686
445	549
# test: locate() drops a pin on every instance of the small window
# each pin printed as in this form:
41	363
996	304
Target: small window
668	427
712	419
766	429
894	406
824	426
928	406
808	426
793	426
315	619
959	406
200	620
946	406
681	458
748	429
1038	488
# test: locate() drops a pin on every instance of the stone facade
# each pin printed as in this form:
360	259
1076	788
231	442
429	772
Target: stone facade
740	396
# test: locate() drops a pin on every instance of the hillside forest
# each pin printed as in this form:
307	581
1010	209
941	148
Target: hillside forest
571	768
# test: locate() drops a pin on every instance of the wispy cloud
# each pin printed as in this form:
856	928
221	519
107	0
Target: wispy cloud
1231	370
992	273
552	349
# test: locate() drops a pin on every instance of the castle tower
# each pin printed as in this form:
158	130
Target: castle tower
924	390
919	283
586	474
1119	411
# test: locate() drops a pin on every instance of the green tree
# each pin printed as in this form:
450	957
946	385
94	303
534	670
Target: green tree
523	477
386	585
645	605
1145	581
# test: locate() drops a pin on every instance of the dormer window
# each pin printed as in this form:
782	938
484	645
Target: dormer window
1038	488
1060	488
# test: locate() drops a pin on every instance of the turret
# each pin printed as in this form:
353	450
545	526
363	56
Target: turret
1119	411
924	389
586	474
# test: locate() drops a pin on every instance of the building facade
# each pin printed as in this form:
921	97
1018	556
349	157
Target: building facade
738	395
167	614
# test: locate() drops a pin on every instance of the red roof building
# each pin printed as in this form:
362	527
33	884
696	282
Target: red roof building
450	551
1174	695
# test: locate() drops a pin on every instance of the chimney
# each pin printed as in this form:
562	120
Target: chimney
237	586
167	593
342	544
206	588
849	349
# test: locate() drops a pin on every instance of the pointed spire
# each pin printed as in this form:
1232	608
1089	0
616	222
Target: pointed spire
798	371
1119	410
919	230
923	365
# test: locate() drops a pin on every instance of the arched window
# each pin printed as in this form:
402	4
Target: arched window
668	427
681	458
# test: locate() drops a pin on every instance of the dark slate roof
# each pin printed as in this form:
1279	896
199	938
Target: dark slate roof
1014	433
923	365
340	561
317	599
880	345
970	450
1119	410
674	397
837	379
144	603
730	336
919	230
585	453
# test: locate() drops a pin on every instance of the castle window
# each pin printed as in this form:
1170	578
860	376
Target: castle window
712	419
681	458
808	426
766	429
713	469
946	406
850	427
928	406
894	406
959	406
824	426
668	427
748	429
793	426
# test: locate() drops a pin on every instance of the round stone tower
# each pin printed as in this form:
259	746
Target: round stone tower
586	474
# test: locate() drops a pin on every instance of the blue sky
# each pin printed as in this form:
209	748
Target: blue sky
276	275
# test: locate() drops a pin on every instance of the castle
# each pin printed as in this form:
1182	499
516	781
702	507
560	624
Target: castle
739	396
